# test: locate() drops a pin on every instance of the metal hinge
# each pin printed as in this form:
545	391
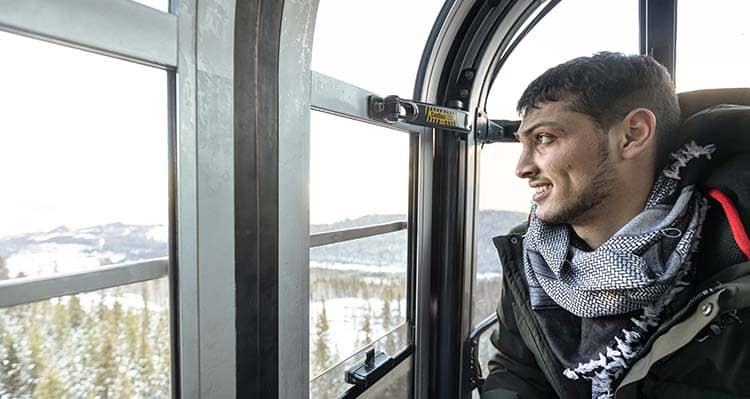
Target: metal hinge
393	109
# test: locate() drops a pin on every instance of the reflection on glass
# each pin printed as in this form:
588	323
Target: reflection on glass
83	159
357	293
112	343
382	45
356	170
599	26
504	203
710	39
330	384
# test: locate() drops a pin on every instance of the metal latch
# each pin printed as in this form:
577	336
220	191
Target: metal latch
374	367
393	109
495	130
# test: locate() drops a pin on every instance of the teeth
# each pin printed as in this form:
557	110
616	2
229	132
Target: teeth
541	189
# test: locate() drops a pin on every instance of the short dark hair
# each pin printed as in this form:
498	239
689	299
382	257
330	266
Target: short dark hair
606	86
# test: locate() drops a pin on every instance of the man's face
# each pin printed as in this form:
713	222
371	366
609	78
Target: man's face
566	159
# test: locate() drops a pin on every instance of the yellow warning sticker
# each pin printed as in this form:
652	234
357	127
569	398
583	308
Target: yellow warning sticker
442	117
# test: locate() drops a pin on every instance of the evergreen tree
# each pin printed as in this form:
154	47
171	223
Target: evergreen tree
50	385
4	275
321	351
75	311
11	369
60	324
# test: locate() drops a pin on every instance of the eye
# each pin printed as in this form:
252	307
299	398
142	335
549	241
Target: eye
544	138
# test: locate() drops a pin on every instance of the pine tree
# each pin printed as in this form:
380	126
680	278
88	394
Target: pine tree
50	385
321	351
75	311
11	369
4	275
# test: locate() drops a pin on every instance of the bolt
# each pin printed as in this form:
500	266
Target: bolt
463	93
378	106
707	309
469	74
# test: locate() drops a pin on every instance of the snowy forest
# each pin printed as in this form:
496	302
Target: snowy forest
115	343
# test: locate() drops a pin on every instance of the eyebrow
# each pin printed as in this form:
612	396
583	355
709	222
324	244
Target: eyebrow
535	126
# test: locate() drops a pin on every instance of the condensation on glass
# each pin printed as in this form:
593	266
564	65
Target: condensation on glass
83	160
376	45
112	343
712	41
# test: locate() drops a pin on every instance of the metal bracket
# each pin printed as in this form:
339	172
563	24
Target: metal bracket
495	130
393	109
374	367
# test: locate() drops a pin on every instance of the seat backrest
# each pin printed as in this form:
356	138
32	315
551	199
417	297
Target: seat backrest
692	102
721	117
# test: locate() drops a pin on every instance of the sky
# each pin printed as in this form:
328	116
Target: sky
83	137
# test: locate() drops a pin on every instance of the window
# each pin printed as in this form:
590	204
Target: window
573	28
373	29
84	164
711	42
109	343
358	179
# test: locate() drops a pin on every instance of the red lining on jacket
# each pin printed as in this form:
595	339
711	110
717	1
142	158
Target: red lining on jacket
735	223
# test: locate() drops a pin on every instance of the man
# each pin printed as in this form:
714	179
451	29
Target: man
606	264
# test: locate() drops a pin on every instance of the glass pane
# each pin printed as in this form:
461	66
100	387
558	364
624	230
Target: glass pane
357	293
712	39
359	173
572	29
161	5
112	343
376	45
486	350
83	159
330	384
504	203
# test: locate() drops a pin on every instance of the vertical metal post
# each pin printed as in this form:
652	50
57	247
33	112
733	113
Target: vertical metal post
293	212
658	29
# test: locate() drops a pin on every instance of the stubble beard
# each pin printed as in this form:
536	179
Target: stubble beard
580	209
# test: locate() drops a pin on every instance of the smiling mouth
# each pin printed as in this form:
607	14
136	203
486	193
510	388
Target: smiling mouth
541	192
543	188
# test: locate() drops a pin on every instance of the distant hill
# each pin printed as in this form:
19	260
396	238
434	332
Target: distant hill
65	249
390	249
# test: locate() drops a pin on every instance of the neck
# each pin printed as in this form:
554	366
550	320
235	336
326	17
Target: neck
603	221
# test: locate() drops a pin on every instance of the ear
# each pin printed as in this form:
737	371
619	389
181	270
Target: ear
639	133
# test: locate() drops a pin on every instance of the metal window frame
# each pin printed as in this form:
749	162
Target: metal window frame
658	32
118	28
346	100
295	77
336	236
25	290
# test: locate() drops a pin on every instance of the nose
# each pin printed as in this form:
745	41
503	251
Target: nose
526	167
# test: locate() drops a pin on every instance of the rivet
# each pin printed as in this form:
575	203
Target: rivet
707	309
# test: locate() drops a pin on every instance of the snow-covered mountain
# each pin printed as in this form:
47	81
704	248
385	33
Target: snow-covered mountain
65	250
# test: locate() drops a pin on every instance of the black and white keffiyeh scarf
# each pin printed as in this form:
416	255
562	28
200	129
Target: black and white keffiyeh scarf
642	266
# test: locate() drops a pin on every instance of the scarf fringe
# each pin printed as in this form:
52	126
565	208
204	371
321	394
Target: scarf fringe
684	155
605	370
